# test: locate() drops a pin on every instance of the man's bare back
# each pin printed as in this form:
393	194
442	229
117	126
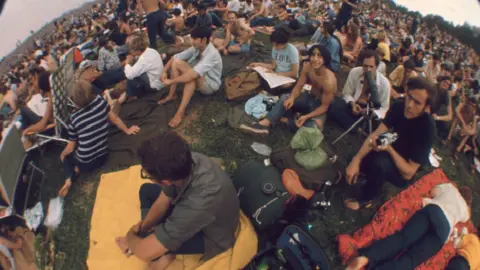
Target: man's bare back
149	5
239	33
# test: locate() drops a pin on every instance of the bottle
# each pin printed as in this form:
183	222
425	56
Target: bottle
261	149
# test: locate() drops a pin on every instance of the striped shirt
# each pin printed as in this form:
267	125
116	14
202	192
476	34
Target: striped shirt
89	128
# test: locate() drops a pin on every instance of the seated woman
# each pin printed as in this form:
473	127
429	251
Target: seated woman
423	235
466	117
443	114
38	112
87	148
418	60
312	95
285	59
352	43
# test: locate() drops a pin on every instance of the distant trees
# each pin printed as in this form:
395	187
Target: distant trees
466	33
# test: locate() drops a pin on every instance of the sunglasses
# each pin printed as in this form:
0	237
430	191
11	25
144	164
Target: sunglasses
145	175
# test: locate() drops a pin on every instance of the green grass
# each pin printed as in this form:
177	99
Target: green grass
71	239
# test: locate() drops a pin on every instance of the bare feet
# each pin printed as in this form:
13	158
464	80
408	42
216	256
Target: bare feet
357	263
123	245
66	187
176	120
167	99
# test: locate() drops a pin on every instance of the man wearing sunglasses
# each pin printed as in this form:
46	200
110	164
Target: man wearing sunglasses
190	208
397	162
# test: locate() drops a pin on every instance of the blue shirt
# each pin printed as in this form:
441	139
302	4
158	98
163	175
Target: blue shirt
332	45
285	58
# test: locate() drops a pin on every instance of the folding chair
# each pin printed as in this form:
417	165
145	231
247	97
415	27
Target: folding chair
17	173
60	81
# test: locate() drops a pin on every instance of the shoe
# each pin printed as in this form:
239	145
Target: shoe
255	128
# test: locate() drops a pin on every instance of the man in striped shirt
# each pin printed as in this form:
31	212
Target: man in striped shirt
87	148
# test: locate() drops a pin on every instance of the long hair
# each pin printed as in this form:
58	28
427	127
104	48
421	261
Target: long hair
354	33
330	28
327	58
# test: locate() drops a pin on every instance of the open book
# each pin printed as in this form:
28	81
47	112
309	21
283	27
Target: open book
273	80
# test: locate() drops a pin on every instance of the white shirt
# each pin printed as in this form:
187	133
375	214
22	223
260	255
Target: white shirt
452	203
38	104
353	90
382	68
149	62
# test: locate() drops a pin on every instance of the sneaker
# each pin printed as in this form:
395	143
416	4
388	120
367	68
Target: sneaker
255	128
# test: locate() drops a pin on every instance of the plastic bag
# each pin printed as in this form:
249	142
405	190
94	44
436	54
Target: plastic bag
33	217
55	213
308	154
307	138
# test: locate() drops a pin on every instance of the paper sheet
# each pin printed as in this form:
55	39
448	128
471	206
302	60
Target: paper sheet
273	80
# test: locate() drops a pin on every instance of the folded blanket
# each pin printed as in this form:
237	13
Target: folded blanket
393	215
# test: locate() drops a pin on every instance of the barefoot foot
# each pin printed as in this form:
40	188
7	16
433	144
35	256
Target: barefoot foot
123	245
176	120
66	187
357	263
167	99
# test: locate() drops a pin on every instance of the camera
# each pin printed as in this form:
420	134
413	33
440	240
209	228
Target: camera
387	138
269	102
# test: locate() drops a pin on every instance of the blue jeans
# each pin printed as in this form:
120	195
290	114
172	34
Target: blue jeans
305	103
261	21
156	25
108	79
458	263
422	237
70	162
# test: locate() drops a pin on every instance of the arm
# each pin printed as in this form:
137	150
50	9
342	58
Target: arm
449	116
68	149
367	145
407	169
249	30
42	124
112	117
10	244
260	12
136	70
458	113
155	213
302	80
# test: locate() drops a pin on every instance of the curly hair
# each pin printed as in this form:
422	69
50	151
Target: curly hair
166	157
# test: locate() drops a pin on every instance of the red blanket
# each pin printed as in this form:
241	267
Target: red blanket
393	215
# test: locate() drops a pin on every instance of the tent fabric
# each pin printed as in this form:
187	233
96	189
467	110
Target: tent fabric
117	209
393	215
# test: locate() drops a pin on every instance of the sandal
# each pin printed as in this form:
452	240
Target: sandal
361	204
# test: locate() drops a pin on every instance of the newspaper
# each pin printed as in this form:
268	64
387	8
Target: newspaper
273	80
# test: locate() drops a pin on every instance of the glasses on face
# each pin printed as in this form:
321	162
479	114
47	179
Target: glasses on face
145	175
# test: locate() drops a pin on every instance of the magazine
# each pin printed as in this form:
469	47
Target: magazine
273	80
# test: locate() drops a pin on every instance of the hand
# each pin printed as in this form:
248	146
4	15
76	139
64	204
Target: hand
18	243
129	59
356	109
378	148
352	171
63	155
132	130
301	121
435	117
288	103
395	95
136	228
167	82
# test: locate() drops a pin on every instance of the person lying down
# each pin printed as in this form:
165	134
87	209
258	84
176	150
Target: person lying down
423	235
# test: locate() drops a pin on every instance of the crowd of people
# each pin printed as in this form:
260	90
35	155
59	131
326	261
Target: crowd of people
418	82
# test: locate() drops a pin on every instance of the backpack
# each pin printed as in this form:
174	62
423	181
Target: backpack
242	85
295	249
261	193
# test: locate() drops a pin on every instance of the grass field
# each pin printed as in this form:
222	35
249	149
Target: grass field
210	135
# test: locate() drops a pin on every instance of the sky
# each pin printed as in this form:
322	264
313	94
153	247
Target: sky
19	17
456	11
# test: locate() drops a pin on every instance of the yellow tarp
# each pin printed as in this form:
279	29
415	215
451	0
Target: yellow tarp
117	209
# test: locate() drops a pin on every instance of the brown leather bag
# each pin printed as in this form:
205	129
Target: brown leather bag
242	85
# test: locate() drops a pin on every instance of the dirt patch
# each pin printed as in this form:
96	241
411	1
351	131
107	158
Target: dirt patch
187	121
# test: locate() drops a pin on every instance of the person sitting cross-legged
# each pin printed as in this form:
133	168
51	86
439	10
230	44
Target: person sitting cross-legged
285	59
312	103
237	36
87	148
199	68
357	93
190	208
398	162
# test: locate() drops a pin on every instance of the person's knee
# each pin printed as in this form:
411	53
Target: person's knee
381	163
145	193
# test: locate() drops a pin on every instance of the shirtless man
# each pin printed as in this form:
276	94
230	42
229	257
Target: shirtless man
177	24
312	95
241	32
156	17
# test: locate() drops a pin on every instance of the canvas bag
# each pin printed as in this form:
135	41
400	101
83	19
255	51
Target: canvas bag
242	85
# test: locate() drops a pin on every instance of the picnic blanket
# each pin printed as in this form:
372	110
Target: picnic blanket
393	215
117	209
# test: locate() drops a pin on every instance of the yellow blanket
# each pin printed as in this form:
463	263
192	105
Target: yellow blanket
117	209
